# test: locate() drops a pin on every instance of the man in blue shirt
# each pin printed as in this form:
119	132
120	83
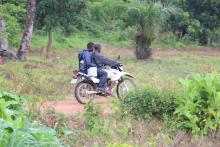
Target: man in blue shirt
102	61
89	62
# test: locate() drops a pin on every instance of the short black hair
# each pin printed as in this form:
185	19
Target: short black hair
97	46
90	45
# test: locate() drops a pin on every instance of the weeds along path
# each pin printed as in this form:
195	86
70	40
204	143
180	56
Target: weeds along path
70	106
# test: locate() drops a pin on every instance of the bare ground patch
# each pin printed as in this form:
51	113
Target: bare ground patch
71	106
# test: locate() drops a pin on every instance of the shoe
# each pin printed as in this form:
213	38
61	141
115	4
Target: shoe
99	89
104	91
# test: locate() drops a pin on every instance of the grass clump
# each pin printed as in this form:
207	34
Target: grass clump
149	103
92	115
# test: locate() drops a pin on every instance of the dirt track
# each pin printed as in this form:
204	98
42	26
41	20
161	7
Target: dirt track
71	106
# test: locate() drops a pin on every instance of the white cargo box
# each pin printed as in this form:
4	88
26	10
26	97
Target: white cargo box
92	71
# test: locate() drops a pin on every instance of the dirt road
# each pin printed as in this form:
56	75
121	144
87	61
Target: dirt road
71	106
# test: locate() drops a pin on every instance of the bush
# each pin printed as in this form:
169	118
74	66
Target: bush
16	129
149	103
198	107
92	115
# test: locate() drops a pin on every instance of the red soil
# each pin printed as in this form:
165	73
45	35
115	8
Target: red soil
70	107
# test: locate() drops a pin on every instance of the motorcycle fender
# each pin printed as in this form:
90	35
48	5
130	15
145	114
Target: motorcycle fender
128	75
76	80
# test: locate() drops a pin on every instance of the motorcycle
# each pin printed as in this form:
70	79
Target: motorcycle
86	85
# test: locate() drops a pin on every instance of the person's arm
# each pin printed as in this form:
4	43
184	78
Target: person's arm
102	60
88	60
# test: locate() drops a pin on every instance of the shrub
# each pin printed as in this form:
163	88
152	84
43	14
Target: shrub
198	107
16	129
149	103
92	115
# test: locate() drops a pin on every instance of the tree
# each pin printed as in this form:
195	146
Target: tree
26	39
3	36
13	15
199	20
56	13
147	19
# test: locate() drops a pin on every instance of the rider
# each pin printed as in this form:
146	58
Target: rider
102	61
89	62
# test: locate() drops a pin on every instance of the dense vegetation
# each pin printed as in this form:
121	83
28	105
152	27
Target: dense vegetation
16	128
149	103
142	21
194	109
198	107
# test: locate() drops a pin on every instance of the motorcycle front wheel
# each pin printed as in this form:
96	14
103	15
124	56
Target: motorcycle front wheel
125	86
84	92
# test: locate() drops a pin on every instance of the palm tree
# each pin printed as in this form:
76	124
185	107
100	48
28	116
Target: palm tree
147	19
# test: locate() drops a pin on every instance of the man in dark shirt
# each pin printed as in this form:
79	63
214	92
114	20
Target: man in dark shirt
89	62
102	61
85	58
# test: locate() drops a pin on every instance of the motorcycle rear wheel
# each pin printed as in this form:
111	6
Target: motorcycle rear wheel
82	94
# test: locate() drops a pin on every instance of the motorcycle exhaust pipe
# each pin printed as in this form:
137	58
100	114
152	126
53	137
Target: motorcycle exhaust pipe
92	92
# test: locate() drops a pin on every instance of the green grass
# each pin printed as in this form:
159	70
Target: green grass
76	40
163	72
169	40
49	78
39	77
60	42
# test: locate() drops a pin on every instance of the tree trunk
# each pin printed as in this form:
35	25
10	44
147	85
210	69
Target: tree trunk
49	45
143	50
25	43
3	35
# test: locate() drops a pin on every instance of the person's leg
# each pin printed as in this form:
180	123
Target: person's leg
102	75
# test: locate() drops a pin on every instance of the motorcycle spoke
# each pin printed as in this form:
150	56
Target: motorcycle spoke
83	92
125	87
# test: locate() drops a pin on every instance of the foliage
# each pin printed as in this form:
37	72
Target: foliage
92	116
104	19
149	103
65	15
17	130
55	13
96	126
14	16
197	20
107	10
198	108
147	18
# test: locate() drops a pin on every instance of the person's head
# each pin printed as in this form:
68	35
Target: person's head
90	46
98	48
